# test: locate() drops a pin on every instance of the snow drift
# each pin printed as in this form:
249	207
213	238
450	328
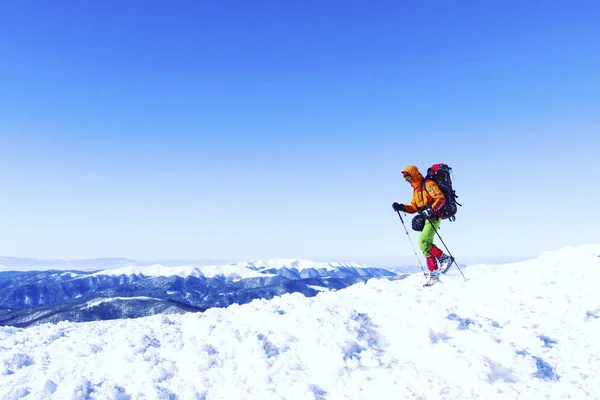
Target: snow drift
523	330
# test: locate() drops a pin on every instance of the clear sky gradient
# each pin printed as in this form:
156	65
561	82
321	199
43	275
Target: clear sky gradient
257	129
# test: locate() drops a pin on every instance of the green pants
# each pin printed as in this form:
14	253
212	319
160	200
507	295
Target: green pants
426	237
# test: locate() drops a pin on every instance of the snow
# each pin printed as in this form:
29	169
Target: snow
526	330
238	272
318	288
101	300
297	264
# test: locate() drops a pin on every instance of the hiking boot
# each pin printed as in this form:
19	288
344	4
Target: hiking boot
445	262
434	276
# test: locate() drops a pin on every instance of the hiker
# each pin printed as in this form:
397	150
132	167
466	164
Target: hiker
427	201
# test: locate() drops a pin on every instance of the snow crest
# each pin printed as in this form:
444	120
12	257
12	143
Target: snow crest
522	330
240	270
233	271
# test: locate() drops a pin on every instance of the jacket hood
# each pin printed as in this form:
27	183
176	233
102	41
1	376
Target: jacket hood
416	176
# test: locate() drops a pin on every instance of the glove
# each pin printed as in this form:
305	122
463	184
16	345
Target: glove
398	207
426	213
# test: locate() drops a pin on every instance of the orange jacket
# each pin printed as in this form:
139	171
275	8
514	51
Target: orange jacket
425	193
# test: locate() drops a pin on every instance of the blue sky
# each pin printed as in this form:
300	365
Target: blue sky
243	130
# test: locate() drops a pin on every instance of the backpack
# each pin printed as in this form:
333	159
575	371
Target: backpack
440	174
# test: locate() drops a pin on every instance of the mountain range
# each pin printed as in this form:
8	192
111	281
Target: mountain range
35	297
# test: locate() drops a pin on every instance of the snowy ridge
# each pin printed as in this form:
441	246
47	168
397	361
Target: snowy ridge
240	270
237	272
297	264
96	302
525	330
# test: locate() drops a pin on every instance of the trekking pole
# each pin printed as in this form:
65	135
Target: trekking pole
446	247
411	243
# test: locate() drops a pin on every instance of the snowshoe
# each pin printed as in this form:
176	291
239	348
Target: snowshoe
434	277
445	261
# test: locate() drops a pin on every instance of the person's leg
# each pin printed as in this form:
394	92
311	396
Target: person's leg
435	251
431	263
426	242
443	260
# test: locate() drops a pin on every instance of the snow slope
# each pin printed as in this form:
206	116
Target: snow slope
527	330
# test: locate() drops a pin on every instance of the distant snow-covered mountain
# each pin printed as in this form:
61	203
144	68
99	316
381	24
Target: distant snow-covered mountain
91	264
23	264
35	297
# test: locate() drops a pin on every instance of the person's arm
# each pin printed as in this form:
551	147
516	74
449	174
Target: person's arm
412	207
